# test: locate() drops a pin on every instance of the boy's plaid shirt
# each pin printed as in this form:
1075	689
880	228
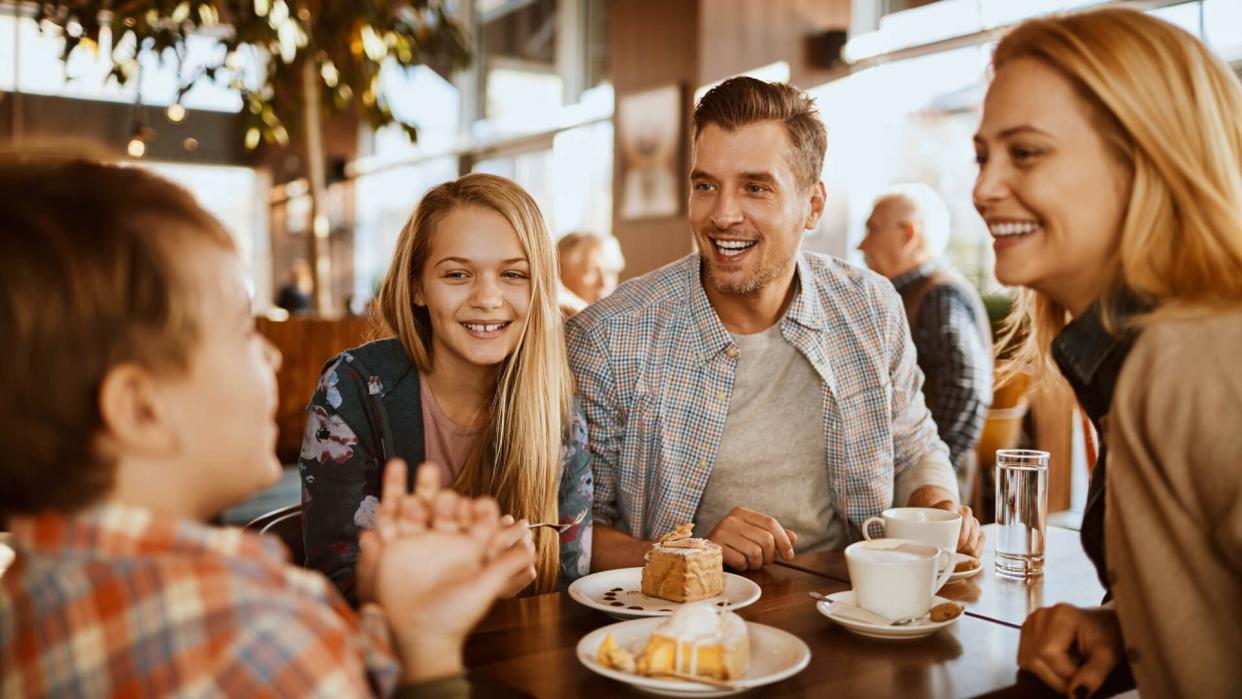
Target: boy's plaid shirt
654	368
121	602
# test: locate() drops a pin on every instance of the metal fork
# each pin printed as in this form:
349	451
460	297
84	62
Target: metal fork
560	528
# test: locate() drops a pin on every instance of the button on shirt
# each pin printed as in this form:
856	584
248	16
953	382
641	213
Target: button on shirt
652	369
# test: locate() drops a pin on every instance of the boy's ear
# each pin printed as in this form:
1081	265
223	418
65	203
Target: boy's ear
129	407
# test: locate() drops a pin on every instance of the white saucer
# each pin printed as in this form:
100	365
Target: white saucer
618	593
966	573
918	629
774	656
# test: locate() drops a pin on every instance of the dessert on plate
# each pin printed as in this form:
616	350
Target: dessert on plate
682	568
697	640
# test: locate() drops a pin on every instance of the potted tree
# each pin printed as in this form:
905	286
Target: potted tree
316	55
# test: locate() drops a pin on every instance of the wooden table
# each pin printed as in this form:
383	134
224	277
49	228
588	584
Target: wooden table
529	646
1068	577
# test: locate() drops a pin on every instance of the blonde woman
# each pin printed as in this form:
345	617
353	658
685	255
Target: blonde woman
1110	156
473	379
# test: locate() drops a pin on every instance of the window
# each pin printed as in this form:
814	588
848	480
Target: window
32	65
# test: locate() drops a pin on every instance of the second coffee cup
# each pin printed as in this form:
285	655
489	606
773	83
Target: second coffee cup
927	524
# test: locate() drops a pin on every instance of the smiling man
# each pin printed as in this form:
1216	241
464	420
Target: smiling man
767	394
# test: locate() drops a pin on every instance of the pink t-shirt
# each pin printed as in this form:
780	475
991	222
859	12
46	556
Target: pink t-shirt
448	444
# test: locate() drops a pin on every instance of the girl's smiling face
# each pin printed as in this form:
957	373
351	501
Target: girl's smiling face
476	288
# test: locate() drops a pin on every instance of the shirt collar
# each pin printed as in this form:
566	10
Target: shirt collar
917	274
1083	347
805	309
118	531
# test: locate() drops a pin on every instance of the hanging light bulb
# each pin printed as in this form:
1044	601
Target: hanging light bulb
138	136
175	113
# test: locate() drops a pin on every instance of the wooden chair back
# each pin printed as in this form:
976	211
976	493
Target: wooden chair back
306	344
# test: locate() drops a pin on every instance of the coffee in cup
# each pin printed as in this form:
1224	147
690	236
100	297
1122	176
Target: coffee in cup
896	578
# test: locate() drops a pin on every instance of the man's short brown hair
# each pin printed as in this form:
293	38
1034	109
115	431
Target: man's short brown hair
738	102
88	280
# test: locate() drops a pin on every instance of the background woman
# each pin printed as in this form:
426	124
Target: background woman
1110	157
590	265
473	379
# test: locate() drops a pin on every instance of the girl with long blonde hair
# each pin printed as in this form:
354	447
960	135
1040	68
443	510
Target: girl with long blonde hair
1110	155
471	377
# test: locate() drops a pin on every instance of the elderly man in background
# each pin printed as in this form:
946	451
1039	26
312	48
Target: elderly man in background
907	234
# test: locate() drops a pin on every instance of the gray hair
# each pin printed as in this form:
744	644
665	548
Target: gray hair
926	208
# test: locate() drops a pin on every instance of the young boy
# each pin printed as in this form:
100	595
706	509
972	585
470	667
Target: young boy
140	401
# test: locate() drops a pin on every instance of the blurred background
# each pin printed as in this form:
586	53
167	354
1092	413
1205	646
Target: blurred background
312	128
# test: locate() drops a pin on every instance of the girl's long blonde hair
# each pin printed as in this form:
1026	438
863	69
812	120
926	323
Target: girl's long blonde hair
518	461
1171	112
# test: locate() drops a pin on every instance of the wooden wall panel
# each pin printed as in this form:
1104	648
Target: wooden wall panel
653	43
741	35
697	42
306	343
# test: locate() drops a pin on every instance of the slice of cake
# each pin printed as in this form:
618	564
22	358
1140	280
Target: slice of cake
698	640
682	568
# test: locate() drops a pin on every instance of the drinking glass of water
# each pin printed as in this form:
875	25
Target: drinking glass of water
1021	511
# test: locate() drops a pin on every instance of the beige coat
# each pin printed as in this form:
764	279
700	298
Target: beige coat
1173	522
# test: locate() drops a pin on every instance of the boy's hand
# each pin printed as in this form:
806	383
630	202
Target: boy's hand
435	562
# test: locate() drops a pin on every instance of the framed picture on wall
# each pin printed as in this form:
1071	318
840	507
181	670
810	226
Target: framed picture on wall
649	132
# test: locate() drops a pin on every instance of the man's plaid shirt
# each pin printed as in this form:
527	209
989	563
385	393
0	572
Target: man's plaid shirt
654	367
121	602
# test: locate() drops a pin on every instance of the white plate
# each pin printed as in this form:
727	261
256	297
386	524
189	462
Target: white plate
966	573
918	629
774	656
618	593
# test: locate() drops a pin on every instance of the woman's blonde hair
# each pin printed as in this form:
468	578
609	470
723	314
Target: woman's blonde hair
519	457
1171	112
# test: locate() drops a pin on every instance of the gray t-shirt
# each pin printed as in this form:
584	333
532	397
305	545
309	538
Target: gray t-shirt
771	457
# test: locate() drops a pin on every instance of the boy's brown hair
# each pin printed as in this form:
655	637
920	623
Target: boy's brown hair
88	280
742	101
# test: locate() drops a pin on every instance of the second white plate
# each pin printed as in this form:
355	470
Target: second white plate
774	656
618	593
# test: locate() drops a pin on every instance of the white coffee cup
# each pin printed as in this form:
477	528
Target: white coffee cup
896	578
927	524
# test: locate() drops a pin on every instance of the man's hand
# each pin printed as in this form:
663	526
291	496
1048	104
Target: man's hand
751	540
970	540
1071	649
